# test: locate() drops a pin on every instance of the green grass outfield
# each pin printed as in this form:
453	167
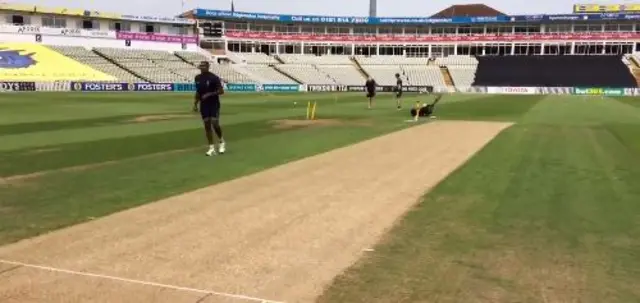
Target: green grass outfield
548	212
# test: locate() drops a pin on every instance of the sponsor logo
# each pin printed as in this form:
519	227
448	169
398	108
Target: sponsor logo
104	87
355	20
98	33
322	88
599	91
355	88
9	86
17	86
564	17
512	90
155	87
516	90
281	87
70	32
392	88
13	59
534	17
242	87
27	29
185	87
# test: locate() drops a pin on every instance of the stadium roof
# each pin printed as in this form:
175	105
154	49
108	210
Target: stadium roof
468	10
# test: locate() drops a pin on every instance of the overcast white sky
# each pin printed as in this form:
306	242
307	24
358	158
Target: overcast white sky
393	8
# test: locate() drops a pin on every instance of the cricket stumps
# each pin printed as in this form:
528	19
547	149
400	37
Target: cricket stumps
311	110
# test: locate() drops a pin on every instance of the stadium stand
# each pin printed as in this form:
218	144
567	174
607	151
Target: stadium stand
414	70
252	58
267	74
342	74
462	76
192	57
151	65
383	74
89	58
110	60
634	59
224	71
456	60
35	62
461	69
554	71
423	75
307	74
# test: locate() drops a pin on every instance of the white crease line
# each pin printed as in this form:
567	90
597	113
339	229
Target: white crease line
79	273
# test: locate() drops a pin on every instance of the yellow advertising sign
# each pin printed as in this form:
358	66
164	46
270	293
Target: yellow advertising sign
34	62
25	8
607	8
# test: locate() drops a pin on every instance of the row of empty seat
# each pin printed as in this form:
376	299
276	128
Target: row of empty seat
224	71
92	59
411	74
134	65
137	65
342	74
155	66
343	70
268	74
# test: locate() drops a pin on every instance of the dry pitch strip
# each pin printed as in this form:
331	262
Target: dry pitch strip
280	235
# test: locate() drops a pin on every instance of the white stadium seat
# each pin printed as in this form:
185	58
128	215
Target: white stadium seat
343	74
305	73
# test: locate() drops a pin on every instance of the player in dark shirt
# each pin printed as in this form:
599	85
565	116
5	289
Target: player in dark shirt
370	85
398	90
208	91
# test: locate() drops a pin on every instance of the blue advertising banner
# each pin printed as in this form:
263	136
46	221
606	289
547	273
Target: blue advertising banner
184	87
101	87
235	87
112	87
281	87
154	87
575	17
206	13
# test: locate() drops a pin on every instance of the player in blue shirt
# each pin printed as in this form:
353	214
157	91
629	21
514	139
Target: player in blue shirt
208	91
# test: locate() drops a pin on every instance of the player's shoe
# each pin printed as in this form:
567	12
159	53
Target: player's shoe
211	151
222	148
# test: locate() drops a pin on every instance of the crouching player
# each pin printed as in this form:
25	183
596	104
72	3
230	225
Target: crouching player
424	110
208	91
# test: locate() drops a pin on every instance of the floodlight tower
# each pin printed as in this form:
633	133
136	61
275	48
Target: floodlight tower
373	8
